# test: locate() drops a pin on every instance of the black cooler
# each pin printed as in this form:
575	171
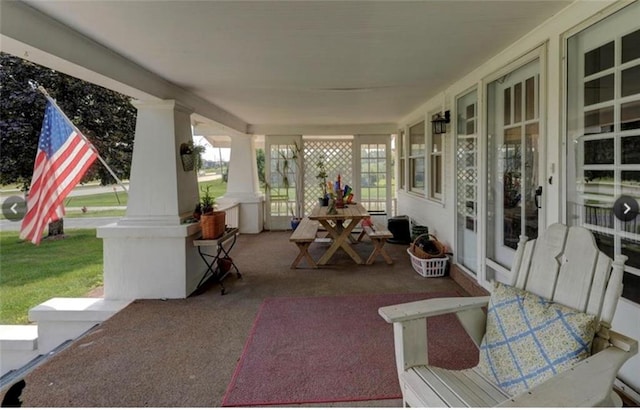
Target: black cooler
400	227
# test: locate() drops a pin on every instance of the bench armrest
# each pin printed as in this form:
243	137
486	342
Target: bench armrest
410	325
587	384
430	307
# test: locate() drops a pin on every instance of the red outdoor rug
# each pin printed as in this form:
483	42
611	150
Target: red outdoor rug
334	349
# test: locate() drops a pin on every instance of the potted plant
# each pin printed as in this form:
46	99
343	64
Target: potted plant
187	156
322	181
212	223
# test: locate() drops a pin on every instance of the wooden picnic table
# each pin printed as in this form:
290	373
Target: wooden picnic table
352	214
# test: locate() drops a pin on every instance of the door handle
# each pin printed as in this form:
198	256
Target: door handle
538	194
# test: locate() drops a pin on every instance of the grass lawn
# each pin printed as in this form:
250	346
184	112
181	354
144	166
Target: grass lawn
30	274
218	188
70	267
118	198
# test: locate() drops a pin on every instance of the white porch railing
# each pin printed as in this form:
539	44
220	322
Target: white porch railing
232	210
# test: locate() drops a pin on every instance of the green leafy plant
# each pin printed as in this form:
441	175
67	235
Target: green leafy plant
207	201
322	175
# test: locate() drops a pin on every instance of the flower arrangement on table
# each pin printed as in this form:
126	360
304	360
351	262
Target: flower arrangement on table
339	195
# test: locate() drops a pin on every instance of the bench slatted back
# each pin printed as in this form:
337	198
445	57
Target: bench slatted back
565	265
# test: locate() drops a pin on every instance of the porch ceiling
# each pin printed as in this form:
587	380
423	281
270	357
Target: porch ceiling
307	62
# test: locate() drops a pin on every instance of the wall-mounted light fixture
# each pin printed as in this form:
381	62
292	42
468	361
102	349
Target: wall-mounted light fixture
439	122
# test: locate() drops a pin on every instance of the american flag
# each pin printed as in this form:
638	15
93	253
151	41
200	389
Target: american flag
63	157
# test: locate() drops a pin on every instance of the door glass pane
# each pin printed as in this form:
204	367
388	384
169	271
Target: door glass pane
630	116
598	151
512	186
517	103
531	180
599	59
630	183
631	46
598	90
598	183
598	121
631	150
507	106
530	98
631	81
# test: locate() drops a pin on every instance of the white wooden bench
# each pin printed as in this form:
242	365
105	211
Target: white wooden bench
303	237
378	235
563	265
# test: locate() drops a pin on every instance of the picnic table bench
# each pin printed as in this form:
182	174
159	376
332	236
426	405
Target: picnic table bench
378	235
303	236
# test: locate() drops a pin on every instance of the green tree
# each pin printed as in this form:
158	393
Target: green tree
260	162
105	117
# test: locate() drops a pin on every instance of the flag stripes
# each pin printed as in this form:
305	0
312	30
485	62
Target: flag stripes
63	157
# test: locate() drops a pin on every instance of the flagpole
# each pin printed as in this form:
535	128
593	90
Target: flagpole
52	101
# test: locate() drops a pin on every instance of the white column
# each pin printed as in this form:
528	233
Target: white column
243	184
149	254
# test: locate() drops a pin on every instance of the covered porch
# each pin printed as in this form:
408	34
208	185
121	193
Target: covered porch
183	352
520	150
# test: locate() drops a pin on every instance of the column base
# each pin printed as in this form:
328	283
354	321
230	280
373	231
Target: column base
150	262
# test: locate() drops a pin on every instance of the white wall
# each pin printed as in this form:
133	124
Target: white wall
441	217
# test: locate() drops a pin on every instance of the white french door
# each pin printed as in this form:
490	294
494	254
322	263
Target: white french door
467	181
514	142
282	169
603	131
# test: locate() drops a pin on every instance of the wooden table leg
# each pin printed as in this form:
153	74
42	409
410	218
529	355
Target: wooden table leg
378	244
340	240
304	252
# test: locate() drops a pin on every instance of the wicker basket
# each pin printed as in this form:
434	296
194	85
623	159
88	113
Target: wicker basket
429	268
437	252
212	224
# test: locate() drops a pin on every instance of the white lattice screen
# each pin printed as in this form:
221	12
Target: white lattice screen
338	158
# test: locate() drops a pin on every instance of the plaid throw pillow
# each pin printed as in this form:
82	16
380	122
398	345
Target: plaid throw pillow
529	339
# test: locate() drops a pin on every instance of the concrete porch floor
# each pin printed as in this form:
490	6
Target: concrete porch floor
182	353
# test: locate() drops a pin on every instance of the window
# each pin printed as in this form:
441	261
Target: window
426	162
417	157
402	167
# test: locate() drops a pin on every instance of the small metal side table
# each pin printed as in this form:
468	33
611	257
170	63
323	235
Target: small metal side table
210	260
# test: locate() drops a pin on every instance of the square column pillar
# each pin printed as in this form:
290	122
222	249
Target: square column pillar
243	184
148	254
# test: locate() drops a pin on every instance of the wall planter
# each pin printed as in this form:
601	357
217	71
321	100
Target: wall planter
187	156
